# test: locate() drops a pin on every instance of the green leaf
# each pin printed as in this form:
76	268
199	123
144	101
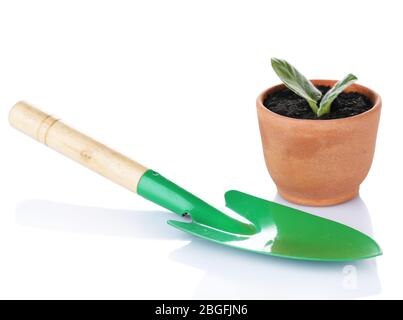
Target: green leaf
332	94
296	82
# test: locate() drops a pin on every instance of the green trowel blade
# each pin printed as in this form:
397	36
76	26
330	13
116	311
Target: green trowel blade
287	232
260	226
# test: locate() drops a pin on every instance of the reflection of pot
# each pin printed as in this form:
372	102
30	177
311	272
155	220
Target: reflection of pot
319	162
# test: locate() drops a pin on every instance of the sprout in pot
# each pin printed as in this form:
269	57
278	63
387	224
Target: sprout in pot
304	100
317	162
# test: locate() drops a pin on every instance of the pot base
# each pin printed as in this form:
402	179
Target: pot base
318	202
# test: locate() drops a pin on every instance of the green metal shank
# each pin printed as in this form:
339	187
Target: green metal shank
158	189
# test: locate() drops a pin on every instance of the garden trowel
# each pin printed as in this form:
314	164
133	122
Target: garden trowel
255	225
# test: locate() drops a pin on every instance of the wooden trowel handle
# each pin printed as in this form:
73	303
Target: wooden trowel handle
77	146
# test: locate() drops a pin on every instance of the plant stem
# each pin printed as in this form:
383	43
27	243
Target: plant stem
313	106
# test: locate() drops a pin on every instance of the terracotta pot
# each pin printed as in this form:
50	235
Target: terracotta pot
319	162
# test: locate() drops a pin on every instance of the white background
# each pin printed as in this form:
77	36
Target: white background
173	85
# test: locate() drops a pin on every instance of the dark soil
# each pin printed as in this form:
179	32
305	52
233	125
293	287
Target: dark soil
289	104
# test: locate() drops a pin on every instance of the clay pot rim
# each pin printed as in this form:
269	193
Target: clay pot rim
371	94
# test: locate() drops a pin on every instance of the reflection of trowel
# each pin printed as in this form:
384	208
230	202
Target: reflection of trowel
232	274
260	226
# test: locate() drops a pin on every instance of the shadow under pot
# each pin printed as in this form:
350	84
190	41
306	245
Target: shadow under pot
319	162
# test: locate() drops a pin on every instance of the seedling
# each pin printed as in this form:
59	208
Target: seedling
297	83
